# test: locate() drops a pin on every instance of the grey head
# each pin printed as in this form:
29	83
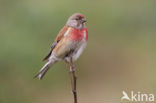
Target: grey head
77	21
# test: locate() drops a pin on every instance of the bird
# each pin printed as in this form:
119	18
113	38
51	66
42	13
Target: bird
68	45
125	96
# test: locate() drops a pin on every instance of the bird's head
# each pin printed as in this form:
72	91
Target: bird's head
77	20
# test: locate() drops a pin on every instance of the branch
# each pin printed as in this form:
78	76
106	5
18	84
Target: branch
73	79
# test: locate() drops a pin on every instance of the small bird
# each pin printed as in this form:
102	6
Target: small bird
69	43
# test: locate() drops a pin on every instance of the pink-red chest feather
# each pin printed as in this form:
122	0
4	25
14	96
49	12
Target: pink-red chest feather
79	34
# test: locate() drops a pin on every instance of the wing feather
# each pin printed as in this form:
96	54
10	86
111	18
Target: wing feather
58	38
61	33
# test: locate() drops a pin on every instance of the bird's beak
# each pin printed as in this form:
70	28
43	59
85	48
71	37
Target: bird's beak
83	20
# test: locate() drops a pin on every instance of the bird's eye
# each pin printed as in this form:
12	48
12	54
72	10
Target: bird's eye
76	18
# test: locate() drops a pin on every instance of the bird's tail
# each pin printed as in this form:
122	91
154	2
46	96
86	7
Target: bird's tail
44	69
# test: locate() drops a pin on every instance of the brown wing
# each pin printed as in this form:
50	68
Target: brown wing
58	38
61	33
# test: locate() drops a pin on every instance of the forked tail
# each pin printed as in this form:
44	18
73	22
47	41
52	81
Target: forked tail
44	69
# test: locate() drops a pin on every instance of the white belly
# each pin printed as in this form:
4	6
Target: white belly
78	51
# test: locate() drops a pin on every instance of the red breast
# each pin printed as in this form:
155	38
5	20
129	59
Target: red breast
79	34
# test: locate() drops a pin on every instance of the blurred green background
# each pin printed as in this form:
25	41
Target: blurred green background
121	51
